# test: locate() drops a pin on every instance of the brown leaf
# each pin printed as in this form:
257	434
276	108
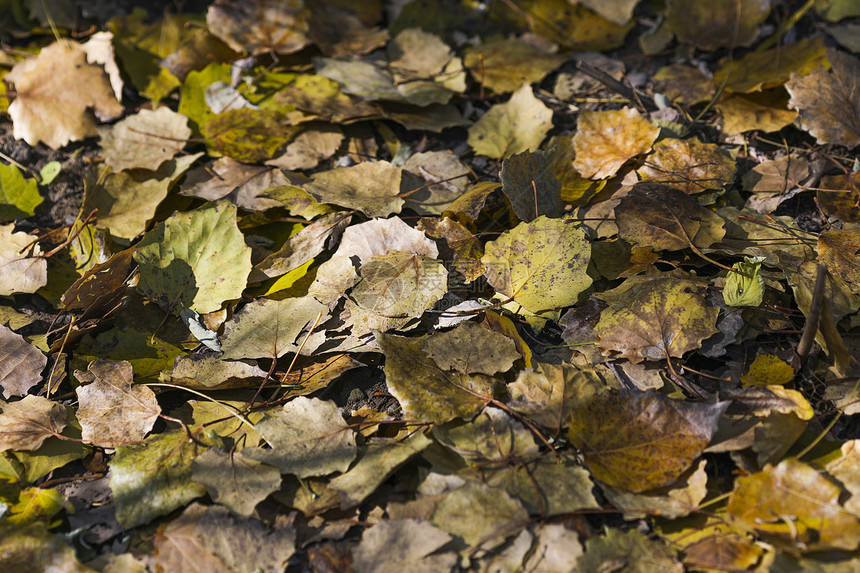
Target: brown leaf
466	246
829	102
717	23
471	348
641	440
54	93
145	140
21	364
688	165
112	408
530	184
260	26
26	424
21	267
666	219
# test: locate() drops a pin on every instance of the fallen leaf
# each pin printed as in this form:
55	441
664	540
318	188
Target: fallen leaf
761	70
574	26
470	349
21	363
233	480
640	441
540	265
766	111
605	140
492	436
683	83
845	469
546	394
837	248
530	184
308	437
27	423
679	501
394	289
411	543
19	197
717	24
632	550
767	370
370	187
205	372
426	392
828	102
556	548
38	504
378	460
112	409
32	548
244	185
446	177
260	26
794	504
309	147
182	260
745	286
666	219
154	479
655	318
466	246
519	125
250	135
145	140
268	328
688	165
21	266
480	515
54	93
502	66
211	539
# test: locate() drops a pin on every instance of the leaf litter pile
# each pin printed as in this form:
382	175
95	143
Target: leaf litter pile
436	286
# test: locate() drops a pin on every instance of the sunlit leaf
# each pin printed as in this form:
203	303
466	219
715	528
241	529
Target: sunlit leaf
370	187
260	26
54	90
641	440
21	364
250	135
411	542
31	548
504	65
745	286
539	265
518	125
38	504
425	391
154	479
308	437
19	197
605	140
145	140
21	267
26	424
767	370
268	328
760	70
112	408
766	111
182	260
688	165
796	505
471	349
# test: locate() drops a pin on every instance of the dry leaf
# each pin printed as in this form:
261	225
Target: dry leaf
26	424
605	140
55	91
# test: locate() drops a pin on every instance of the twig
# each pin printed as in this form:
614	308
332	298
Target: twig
810	327
630	93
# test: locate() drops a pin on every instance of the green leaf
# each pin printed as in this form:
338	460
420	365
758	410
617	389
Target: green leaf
31	548
540	265
19	197
746	286
155	478
183	260
192	99
250	135
37	504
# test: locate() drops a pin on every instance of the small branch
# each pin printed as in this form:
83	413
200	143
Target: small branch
810	328
616	86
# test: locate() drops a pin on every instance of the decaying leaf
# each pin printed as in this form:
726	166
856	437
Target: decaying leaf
605	140
269	328
21	364
666	219
745	286
145	140
112	408
504	65
530	184
308	437
233	480
688	165
154	479
513	127
410	541
652	319
829	102
717	24
21	267
27	423
470	349
641	440
370	187
55	91
793	503
631	549
260	26
33	548
425	391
